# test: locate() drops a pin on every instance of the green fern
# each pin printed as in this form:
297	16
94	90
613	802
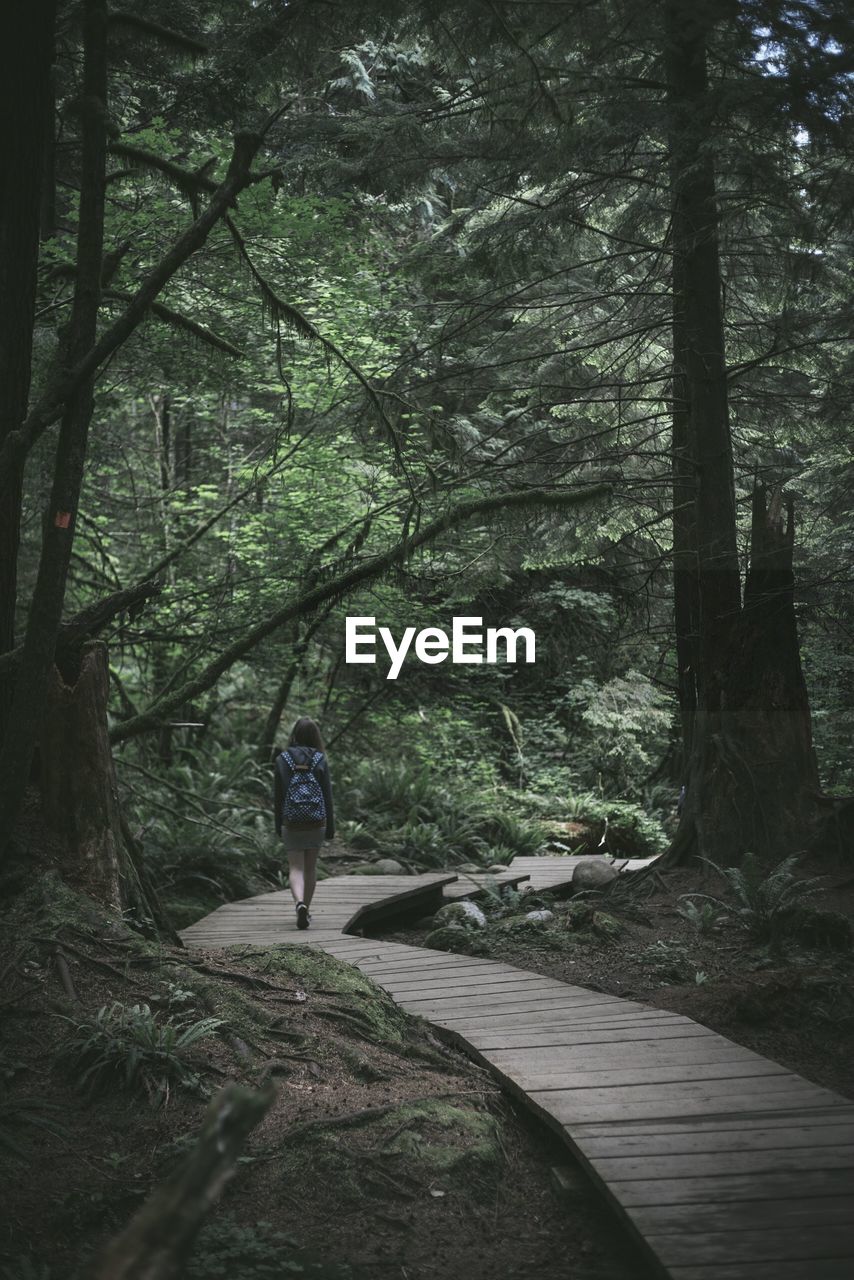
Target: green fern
131	1049
764	901
705	918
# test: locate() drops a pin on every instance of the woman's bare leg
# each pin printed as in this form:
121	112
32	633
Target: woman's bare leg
296	874
303	874
309	874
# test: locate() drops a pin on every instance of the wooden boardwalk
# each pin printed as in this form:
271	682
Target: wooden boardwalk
724	1165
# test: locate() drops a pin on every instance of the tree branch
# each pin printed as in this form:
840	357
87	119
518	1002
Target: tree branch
343	584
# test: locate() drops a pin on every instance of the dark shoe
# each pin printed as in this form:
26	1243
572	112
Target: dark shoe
303	917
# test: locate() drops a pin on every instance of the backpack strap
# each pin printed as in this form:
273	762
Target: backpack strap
316	757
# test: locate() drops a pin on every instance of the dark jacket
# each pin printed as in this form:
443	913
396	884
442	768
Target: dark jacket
281	782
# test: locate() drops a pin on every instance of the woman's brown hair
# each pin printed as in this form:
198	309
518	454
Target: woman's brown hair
306	733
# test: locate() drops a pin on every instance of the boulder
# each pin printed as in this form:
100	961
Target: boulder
593	873
388	867
469	868
543	916
465	914
497	867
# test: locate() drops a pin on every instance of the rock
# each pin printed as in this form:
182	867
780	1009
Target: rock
594	873
606	926
543	916
382	867
388	867
496	868
469	868
465	914
451	937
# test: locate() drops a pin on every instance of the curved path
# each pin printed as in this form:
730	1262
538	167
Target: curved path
724	1165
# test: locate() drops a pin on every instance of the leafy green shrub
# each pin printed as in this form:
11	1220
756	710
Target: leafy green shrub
130	1048
705	918
764	902
506	831
207	824
626	827
425	818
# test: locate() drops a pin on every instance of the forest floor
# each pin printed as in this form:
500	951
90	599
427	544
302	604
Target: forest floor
384	1152
790	1002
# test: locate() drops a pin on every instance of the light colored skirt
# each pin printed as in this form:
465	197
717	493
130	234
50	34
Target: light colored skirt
298	838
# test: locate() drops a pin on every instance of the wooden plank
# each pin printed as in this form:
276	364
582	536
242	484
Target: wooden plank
475	983
808	1136
813	1117
570	1111
681	1073
803	1184
457	992
436	961
809	1214
818	1269
645	1056
783	1243
407	971
549	1012
744	1089
486	1039
712	1164
555	1019
531	1000
471	885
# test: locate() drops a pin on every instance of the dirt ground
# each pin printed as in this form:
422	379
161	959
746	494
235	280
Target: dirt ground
440	1177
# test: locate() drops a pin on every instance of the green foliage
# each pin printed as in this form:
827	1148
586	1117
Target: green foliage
429	817
669	962
225	1249
765	901
627	828
454	937
705	917
130	1048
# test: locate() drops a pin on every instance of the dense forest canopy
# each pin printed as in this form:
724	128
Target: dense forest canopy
530	312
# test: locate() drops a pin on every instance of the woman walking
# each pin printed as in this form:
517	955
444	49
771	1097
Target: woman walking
302	804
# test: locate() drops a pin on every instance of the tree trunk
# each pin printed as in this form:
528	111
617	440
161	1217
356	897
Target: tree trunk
26	97
750	769
78	785
58	530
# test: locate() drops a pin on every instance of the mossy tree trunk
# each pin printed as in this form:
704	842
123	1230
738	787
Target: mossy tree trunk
79	791
750	773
